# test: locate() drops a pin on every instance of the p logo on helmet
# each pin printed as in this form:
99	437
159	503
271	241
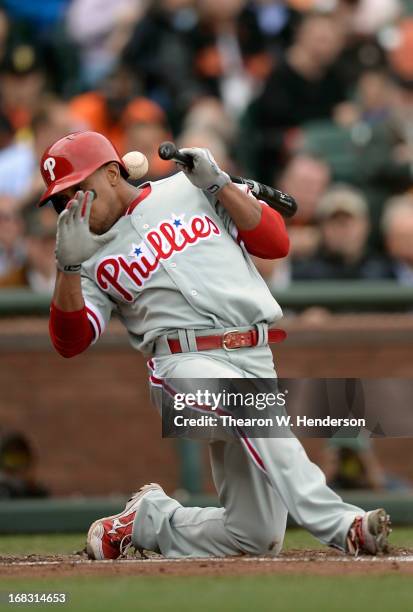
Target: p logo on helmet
49	165
71	159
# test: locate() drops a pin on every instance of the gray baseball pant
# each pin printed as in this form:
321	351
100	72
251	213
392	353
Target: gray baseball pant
258	482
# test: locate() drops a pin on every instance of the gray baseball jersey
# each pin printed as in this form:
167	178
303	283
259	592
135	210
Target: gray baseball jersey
175	264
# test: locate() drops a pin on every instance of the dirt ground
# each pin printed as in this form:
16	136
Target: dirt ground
308	562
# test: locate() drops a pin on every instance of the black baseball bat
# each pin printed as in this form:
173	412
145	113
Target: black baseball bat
282	202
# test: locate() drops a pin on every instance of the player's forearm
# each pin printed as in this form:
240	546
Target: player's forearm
244	209
70	332
69	327
261	228
269	240
67	295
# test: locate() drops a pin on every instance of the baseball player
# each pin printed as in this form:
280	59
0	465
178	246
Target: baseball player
172	258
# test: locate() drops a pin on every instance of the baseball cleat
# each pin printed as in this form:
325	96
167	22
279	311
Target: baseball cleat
111	537
369	533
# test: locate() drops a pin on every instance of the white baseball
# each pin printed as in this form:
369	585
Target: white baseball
136	163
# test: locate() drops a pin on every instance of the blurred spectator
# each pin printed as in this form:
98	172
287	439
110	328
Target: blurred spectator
230	59
157	50
12	246
370	143
275	20
18	468
209	114
40	26
350	463
40	245
22	83
397	227
187	55
16	161
372	100
145	127
101	29
373	95
203	138
305	86
343	253
146	138
306	178
102	110
52	121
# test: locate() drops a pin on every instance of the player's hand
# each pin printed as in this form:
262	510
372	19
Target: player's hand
206	173
75	243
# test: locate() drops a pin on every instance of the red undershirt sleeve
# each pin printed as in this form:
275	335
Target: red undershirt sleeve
70	332
269	240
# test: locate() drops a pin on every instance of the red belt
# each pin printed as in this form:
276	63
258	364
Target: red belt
230	340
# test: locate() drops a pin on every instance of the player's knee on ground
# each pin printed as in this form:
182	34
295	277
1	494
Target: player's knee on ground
261	540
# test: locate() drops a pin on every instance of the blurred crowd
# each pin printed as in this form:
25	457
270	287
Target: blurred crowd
313	96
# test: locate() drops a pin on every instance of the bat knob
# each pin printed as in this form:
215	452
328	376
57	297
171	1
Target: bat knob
167	150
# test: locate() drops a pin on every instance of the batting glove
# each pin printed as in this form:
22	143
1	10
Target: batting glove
75	243
205	174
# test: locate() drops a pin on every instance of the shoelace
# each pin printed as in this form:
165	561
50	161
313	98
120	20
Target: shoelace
125	545
126	540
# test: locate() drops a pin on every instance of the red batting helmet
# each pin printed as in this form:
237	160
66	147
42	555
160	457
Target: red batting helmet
73	158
